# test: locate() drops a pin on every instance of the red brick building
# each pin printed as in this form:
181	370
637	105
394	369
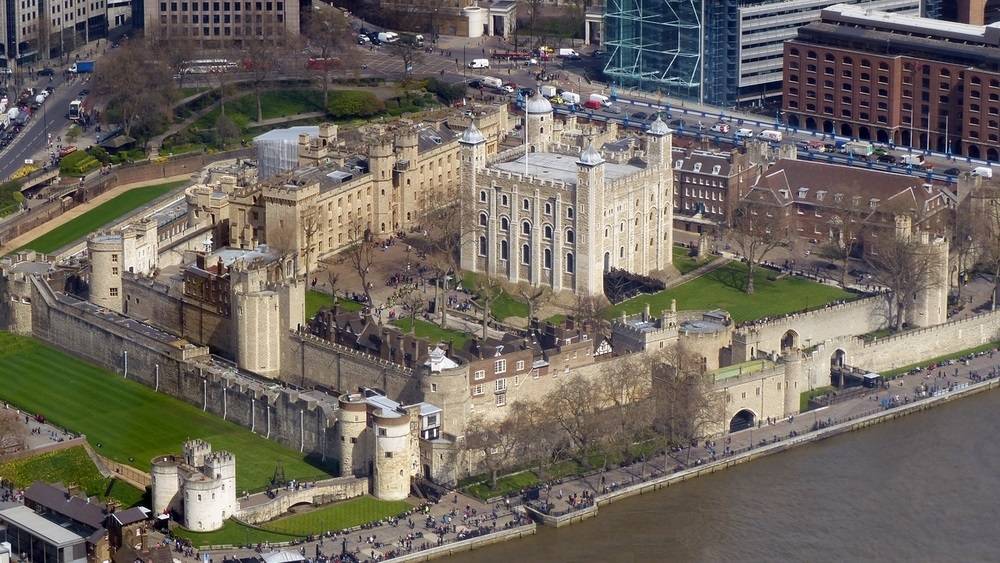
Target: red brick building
817	198
917	82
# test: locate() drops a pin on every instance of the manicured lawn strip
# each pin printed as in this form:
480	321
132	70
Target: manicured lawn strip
232	533
506	484
127	421
99	216
274	103
433	332
504	306
71	466
683	260
317	300
338	516
723	289
981	348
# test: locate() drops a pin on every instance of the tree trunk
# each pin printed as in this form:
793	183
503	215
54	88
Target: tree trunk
486	316
444	302
996	287
326	90
750	272
260	111
843	269
493	479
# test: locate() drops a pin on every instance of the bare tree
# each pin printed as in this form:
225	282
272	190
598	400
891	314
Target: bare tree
408	53
535	297
226	130
574	408
262	60
624	386
13	433
360	256
488	289
410	299
755	230
687	406
449	229
310	226
496	440
846	225
986	229
904	266
329	34
592	310
137	85
542	440
333	278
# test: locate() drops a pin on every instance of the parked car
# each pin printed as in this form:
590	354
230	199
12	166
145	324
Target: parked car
46	72
886	159
593	104
951	172
677	123
640	115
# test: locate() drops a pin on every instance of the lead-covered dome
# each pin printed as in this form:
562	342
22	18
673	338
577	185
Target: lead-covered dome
537	104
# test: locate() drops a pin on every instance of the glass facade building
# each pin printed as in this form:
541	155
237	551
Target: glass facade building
719	52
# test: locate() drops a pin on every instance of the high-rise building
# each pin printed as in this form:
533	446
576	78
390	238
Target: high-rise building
39	29
912	81
722	52
218	23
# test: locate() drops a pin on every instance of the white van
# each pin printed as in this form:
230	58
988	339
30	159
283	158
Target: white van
479	63
388	36
770	135
492	82
571	97
984	171
912	159
744	133
547	91
601	99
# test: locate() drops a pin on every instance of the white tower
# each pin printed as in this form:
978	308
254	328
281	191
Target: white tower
659	153
473	155
106	262
538	123
589	261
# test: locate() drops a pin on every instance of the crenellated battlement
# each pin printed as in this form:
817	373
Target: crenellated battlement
492	173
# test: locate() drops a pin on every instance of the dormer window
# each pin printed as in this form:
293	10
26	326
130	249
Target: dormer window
716	169
803	193
784	193
697	167
678	164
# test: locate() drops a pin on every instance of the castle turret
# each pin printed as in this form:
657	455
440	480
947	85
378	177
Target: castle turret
659	151
195	452
473	155
165	477
257	331
106	262
539	123
381	160
930	304
590	265
795	383
392	456
352	420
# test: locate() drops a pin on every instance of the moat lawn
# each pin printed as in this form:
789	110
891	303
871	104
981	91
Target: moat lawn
317	300
338	516
433	332
127	421
99	216
71	466
723	289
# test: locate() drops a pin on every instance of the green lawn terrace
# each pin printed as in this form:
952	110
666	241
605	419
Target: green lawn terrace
127	421
723	288
313	521
70	466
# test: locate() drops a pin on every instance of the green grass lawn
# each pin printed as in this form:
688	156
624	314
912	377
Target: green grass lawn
283	103
127	421
338	516
683	260
807	396
99	216
232	533
723	289
433	332
316	300
71	466
901	370
506	305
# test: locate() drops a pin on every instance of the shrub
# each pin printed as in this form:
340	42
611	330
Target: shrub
78	163
100	154
346	104
449	93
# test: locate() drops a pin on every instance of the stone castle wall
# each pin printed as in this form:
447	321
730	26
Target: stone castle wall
856	317
903	349
321	492
186	373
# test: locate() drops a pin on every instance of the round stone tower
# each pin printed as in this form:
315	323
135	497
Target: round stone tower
352	420
381	159
406	143
391	479
165	484
203	503
105	251
221	466
795	382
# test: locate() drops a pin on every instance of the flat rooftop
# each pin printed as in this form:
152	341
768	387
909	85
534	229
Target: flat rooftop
51	532
560	167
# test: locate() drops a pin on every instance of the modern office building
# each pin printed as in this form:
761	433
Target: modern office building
722	52
975	12
918	82
217	23
33	29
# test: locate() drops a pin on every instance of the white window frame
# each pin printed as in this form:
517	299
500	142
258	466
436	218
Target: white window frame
480	374
500	366
478	390
501	385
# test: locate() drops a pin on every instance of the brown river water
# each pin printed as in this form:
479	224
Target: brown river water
925	487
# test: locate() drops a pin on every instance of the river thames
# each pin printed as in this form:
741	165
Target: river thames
925	487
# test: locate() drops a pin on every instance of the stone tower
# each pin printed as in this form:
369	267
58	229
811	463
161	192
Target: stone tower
589	261
352	420
930	304
106	262
140	247
381	159
392	456
473	155
659	153
538	123
795	381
